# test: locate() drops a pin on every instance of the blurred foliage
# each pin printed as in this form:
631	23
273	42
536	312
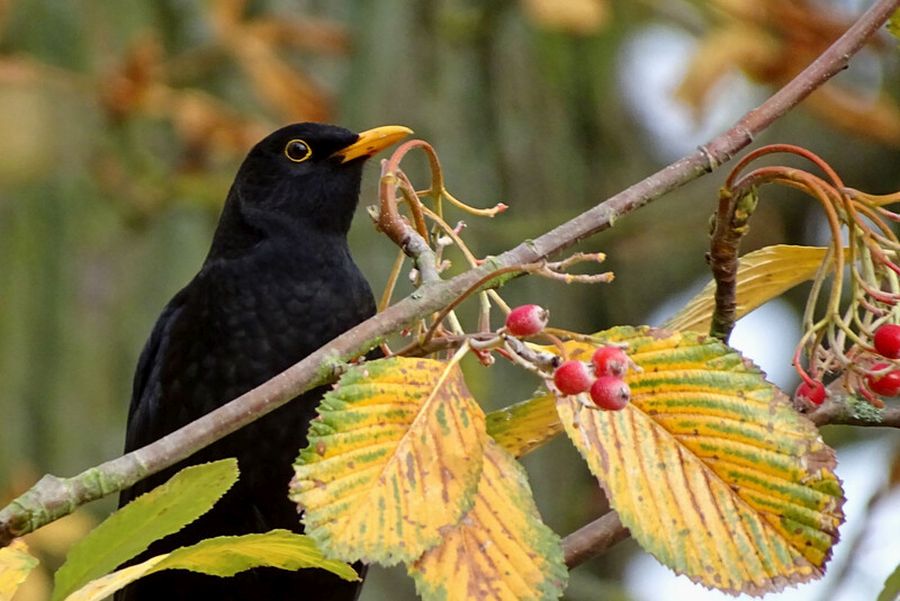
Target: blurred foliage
122	124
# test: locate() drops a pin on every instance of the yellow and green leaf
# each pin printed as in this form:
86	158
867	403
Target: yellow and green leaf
223	556
525	426
762	275
394	457
709	466
15	564
500	550
166	509
893	24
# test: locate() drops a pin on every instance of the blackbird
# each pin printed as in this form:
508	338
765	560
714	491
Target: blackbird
277	284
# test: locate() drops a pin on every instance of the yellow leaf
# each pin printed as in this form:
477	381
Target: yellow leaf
15	564
523	427
222	556
762	275
500	550
710	467
103	587
393	458
228	555
893	24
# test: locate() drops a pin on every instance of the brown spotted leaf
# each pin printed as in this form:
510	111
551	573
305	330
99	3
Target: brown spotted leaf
500	550
394	457
709	466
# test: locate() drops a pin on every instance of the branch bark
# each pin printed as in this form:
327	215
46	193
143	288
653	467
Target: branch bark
53	497
843	414
593	539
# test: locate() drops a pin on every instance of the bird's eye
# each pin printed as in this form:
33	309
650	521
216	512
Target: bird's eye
297	150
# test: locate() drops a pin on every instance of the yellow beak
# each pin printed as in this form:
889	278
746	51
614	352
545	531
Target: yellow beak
372	141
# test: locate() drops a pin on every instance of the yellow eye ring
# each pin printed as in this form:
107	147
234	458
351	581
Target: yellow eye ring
297	150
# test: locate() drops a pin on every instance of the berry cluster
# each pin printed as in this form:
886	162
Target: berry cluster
887	344
602	376
881	379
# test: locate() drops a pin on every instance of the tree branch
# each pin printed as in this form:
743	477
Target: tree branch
593	539
850	414
54	497
732	219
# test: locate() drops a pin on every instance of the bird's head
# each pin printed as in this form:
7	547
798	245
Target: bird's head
308	173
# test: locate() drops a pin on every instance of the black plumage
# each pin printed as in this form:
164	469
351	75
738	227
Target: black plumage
277	284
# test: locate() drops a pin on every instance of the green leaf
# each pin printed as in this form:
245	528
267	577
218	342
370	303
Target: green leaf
166	509
891	590
228	555
224	556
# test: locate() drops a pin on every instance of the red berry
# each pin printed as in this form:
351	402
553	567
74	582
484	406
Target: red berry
610	392
573	377
887	340
610	361
886	385
527	320
814	393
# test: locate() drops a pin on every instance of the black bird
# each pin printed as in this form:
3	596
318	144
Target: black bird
278	283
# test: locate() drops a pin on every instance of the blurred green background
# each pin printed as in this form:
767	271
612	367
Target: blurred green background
122	123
